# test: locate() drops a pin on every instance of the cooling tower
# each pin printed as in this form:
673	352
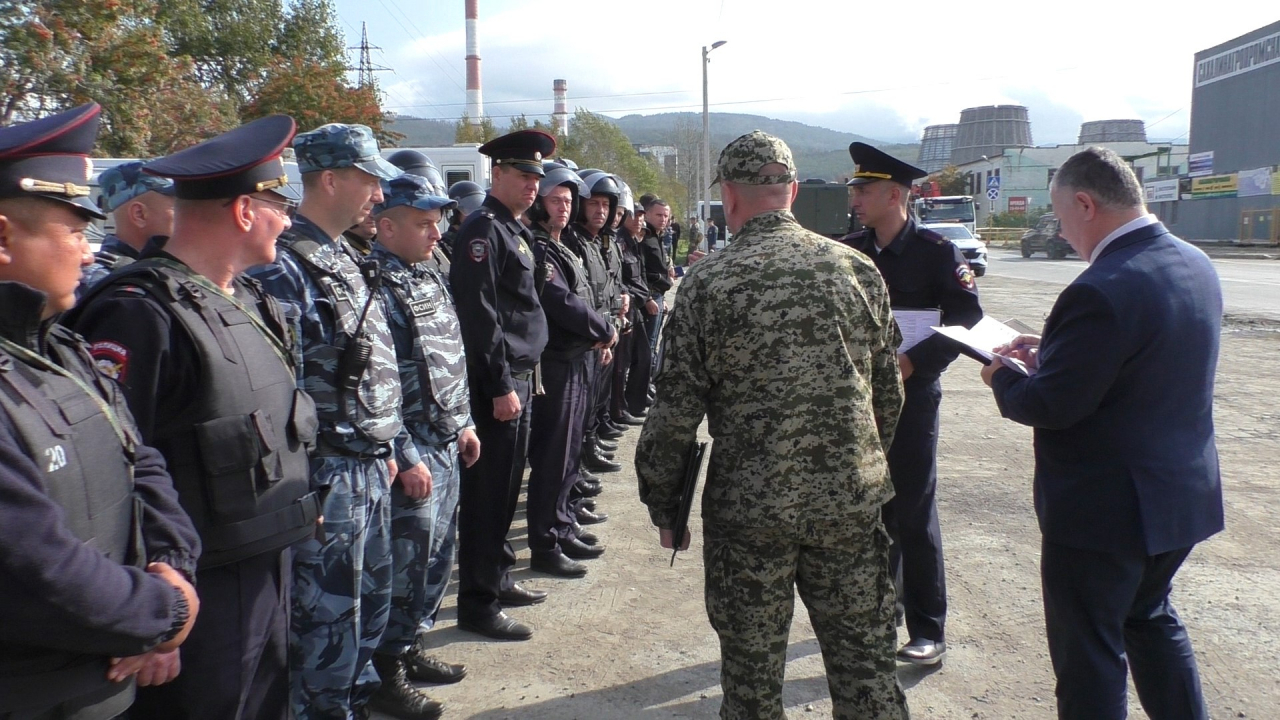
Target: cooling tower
1104	131
988	131
935	147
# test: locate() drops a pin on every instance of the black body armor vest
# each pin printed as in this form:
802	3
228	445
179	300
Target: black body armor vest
238	453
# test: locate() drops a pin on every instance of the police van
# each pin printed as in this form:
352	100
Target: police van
456	163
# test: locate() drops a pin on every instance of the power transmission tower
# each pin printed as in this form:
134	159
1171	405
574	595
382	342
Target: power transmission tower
366	69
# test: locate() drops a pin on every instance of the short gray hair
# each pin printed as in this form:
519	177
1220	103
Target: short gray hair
1104	175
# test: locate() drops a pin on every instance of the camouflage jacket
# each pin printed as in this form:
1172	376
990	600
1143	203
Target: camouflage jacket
323	298
112	254
786	343
428	341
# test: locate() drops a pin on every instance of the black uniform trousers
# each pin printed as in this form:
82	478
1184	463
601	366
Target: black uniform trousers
634	364
599	409
911	517
487	503
555	443
1102	609
235	662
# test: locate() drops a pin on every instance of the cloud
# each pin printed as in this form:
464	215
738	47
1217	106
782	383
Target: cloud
873	69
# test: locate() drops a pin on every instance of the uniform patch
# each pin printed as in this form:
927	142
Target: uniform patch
551	272
478	250
422	308
965	276
111	359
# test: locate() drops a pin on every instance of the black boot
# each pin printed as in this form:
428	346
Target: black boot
593	460
609	432
397	697
606	445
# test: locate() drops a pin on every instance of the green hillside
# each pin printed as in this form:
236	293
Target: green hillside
819	152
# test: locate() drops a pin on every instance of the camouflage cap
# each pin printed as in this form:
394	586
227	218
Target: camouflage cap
741	160
338	145
126	181
414	191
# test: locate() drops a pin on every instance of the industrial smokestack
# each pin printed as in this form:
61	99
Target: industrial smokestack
475	104
560	116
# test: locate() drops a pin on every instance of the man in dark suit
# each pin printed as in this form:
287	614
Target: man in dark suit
1126	479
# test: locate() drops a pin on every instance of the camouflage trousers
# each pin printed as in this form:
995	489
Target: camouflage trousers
341	590
423	539
841	570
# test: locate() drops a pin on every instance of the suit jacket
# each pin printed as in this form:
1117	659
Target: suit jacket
1123	403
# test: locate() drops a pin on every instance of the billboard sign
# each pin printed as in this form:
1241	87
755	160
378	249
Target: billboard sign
1214	186
1160	190
1254	182
1200	164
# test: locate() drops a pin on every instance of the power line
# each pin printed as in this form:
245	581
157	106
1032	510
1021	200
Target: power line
579	97
431	54
366	68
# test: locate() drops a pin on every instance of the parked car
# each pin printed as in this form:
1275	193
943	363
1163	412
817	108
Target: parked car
1046	237
975	251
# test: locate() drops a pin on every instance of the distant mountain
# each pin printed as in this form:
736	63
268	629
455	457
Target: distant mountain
819	152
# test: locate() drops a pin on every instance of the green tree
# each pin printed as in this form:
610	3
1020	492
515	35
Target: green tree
519	122
952	182
232	43
314	94
465	132
310	32
596	142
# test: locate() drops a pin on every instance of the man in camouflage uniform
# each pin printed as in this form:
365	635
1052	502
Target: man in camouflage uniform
786	343
437	414
346	361
141	207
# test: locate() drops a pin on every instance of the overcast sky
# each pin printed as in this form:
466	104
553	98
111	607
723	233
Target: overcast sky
883	70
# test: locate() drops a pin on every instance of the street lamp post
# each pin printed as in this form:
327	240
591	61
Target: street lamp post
704	165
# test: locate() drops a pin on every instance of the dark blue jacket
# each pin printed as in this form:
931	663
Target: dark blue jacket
1123	403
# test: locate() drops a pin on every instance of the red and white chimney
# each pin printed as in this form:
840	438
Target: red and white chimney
560	115
475	103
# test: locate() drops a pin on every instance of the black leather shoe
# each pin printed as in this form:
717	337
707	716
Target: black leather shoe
609	432
557	564
519	597
597	463
420	666
607	445
629	419
498	627
587	504
584	536
578	550
587	517
923	651
588	489
397	697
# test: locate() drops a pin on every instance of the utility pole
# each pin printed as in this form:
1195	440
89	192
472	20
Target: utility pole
704	179
366	68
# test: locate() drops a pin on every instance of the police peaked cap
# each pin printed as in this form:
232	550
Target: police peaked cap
873	165
49	158
242	161
523	149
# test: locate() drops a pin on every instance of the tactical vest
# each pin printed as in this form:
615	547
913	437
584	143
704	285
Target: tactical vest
238	452
597	273
434	378
612	258
89	474
377	396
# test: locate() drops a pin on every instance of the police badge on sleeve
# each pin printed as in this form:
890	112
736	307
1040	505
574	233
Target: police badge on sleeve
111	359
478	250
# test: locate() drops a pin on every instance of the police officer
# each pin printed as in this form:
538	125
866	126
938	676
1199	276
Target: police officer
633	360
797	474
415	163
469	197
436	411
346	361
361	236
204	357
657	267
96	553
141	205
575	331
586	239
504	332
923	271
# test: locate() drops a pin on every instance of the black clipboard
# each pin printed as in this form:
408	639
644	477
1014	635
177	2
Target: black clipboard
689	484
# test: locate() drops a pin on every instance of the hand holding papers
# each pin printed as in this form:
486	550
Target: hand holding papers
983	338
916	325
